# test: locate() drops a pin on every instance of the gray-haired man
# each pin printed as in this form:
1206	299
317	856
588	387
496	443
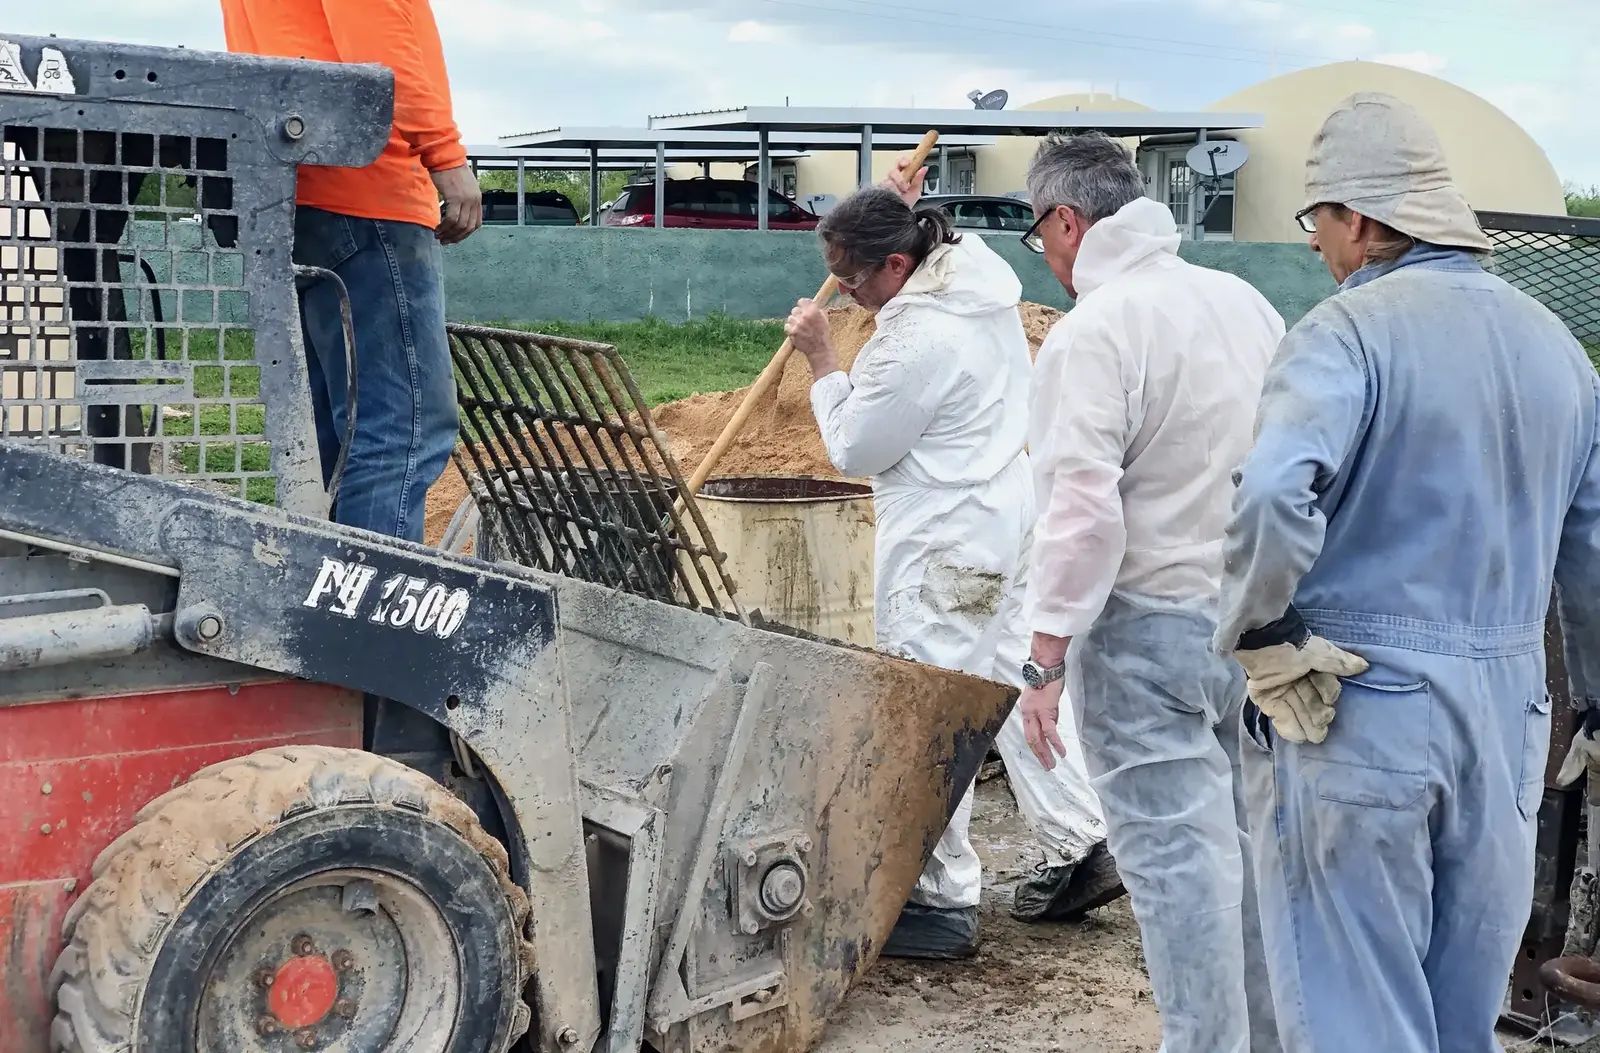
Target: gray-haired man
1142	402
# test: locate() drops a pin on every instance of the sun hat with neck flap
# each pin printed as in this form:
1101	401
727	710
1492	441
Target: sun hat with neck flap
1378	156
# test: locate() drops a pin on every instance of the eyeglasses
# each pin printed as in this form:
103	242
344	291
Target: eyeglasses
1307	217
1033	241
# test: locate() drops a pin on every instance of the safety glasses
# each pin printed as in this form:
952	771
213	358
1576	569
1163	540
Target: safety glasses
857	280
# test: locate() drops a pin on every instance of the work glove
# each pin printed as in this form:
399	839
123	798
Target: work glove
1298	687
1583	756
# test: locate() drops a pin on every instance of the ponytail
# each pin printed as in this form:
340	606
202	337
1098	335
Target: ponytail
871	225
934	228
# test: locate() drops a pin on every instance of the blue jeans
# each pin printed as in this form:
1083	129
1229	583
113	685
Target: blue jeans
406	421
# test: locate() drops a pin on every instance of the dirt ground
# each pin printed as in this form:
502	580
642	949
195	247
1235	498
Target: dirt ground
1032	988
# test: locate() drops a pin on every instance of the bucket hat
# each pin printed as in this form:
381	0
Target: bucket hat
1378	156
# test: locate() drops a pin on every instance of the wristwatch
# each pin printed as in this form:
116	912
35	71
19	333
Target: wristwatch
1036	675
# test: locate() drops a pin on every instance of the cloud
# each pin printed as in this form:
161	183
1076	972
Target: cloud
751	32
1557	115
1421	61
521	64
1355	33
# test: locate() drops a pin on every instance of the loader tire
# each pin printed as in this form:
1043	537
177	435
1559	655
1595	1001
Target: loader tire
300	898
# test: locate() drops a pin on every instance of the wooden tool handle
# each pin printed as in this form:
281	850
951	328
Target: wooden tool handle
769	376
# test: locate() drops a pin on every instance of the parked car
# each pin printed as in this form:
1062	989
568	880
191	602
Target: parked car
983	212
540	208
712	204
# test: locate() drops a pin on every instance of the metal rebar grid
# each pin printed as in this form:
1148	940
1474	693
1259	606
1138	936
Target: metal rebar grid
571	474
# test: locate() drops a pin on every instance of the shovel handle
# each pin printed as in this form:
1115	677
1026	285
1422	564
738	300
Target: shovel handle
769	376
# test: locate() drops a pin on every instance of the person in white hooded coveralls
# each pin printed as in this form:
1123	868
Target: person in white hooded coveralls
934	411
1425	467
1143	398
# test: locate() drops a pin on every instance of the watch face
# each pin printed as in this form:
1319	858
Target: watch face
1030	674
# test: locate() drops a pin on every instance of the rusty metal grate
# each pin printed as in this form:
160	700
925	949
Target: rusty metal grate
571	474
1554	259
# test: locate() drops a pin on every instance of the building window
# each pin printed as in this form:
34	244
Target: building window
963	174
1169	180
1180	183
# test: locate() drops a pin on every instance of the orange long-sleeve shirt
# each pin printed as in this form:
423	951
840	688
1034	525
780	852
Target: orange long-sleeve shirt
400	34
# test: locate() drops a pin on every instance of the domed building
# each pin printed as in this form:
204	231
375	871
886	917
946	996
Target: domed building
1495	162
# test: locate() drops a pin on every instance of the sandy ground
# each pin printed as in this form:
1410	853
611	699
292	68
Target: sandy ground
1079	988
1033	988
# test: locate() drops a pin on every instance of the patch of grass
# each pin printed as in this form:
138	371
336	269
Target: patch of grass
670	361
226	379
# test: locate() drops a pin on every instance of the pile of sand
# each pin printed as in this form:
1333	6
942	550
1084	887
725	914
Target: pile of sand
780	438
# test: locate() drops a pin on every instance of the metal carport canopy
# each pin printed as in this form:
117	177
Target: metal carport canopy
668	145
783	120
868	123
744	140
595	160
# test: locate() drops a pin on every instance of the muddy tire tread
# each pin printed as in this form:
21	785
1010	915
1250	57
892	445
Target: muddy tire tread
143	879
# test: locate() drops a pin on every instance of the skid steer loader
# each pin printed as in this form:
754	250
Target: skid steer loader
272	784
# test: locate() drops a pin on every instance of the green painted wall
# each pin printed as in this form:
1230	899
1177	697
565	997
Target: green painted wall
507	274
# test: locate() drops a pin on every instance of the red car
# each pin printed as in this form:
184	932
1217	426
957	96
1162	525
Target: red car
710	204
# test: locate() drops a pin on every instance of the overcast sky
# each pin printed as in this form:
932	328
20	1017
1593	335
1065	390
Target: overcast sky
523	65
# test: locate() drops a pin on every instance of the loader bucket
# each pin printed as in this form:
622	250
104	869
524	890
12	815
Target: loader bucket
791	791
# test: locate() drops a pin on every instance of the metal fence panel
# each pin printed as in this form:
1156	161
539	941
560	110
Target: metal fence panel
1554	259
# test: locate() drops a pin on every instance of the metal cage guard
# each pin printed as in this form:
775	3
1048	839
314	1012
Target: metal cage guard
148	317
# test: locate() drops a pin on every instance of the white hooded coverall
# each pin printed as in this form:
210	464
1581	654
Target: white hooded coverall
934	410
1143	402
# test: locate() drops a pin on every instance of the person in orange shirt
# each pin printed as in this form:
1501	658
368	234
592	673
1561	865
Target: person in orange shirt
379	228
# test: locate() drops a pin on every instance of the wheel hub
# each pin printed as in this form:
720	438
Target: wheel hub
343	962
303	992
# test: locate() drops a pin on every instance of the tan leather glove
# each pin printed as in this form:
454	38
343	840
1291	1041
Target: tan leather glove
1583	756
1298	687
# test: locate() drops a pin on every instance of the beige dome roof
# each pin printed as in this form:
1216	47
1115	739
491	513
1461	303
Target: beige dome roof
1099	101
1497	164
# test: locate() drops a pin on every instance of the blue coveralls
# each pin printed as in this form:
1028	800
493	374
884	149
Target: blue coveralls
1424	464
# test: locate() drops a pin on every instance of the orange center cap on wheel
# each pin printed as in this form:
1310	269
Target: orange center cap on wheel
303	991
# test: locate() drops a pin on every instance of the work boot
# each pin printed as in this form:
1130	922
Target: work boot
933	932
1068	893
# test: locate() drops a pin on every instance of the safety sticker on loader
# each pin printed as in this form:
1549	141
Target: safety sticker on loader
53	77
12	78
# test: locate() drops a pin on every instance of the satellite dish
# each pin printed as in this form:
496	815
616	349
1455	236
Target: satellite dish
995	100
1217	158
